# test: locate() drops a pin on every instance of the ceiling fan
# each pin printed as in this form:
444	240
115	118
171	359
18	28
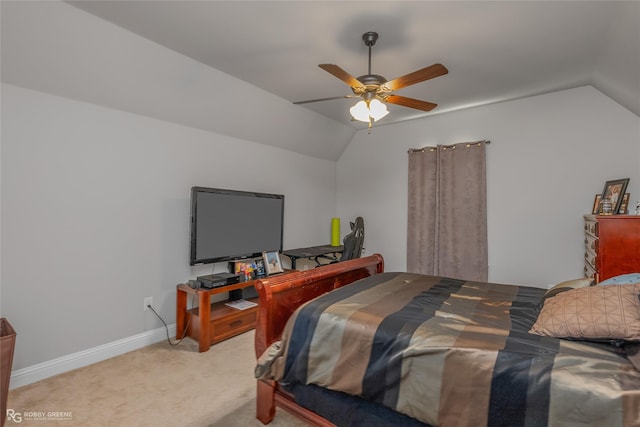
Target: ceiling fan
375	90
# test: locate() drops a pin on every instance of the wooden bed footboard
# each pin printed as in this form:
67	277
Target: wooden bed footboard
279	297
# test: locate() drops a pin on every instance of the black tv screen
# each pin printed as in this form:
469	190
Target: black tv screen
230	224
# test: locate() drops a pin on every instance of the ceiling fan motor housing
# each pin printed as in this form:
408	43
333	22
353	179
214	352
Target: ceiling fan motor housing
372	79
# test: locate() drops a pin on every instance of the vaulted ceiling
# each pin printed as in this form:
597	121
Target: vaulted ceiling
494	51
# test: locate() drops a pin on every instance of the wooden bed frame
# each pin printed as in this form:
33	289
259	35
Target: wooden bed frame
279	298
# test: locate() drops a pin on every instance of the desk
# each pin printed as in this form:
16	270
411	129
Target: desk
311	252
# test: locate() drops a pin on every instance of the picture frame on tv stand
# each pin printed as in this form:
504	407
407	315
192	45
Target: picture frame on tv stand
272	262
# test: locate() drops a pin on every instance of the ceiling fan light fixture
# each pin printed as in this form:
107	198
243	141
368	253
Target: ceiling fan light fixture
360	112
377	110
365	113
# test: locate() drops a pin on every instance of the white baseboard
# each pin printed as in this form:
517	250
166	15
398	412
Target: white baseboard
67	363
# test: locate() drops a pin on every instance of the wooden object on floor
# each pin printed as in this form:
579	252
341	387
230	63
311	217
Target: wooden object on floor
211	323
278	299
7	346
612	246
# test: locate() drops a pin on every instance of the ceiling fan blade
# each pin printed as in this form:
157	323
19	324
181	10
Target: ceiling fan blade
430	72
341	74
325	99
410	102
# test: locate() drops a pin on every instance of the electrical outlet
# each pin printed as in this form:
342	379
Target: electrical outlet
148	301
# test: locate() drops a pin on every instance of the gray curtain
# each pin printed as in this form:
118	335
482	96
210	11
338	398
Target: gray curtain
447	212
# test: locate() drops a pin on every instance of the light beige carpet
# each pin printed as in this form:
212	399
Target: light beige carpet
158	385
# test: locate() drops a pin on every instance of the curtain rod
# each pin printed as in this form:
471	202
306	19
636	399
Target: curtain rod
417	150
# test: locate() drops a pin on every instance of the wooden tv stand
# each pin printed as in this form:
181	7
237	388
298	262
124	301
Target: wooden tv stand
211	323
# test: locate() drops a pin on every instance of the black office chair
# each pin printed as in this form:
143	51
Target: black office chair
353	241
352	244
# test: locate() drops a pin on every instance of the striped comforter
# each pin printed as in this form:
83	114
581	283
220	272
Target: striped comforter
452	353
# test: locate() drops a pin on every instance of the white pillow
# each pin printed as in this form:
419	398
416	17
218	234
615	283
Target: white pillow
624	279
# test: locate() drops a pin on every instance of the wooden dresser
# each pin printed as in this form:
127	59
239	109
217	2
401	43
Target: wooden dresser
612	245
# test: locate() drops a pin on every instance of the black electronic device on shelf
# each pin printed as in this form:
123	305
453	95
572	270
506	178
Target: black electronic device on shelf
220	279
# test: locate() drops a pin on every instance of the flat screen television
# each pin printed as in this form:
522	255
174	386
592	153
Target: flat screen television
230	224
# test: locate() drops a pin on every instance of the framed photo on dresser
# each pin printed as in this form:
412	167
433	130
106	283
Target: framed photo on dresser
614	191
596	204
624	204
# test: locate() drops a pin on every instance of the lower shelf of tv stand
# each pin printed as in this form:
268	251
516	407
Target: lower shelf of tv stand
211	323
225	322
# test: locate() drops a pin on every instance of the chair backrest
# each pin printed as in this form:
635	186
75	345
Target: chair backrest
353	241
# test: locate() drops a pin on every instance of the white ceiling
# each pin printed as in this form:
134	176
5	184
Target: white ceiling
236	67
494	51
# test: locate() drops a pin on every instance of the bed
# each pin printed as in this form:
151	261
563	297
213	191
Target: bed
349	344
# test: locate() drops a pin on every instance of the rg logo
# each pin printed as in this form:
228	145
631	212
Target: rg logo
14	416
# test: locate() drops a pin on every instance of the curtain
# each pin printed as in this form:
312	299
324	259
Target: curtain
447	213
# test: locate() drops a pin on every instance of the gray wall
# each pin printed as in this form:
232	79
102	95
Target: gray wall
548	158
95	198
95	215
